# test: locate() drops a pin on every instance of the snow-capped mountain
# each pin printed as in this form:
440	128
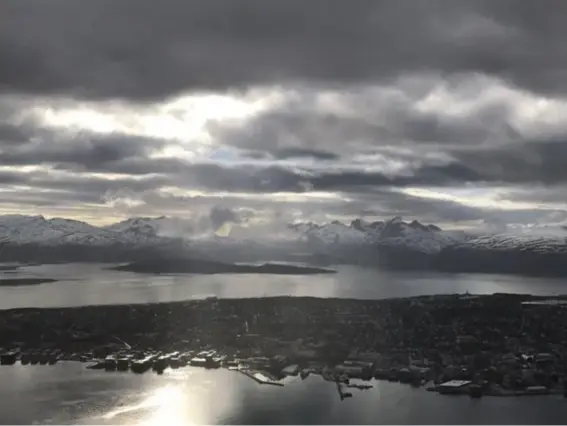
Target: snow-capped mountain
17	229
147	229
356	237
393	233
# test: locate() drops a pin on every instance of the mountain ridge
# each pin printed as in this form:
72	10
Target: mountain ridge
392	243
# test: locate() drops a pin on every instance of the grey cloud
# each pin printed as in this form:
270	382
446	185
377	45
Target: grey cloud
291	152
535	162
142	49
552	194
127	158
290	127
376	204
387	203
385	117
38	198
66	150
219	216
381	203
277	178
78	187
11	178
96	185
11	134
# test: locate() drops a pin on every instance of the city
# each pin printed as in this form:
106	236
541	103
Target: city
500	345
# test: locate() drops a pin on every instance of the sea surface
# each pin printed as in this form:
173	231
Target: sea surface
67	393
95	284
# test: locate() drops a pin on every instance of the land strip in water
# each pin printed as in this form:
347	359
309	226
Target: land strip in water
500	344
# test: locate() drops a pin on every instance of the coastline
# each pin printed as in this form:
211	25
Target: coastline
411	340
17	282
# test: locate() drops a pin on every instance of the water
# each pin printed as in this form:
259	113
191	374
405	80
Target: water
67	393
93	284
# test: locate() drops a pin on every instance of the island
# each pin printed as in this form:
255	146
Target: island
15	282
202	266
9	268
476	345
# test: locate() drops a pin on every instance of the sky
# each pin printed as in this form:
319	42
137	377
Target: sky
450	112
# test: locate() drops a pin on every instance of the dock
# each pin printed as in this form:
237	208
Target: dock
260	377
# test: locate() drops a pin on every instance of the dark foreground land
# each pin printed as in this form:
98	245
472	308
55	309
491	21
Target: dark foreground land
198	266
496	345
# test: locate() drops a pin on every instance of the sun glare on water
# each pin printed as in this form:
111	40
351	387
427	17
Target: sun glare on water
169	405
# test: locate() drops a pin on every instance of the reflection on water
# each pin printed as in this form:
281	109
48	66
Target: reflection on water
92	284
166	405
68	394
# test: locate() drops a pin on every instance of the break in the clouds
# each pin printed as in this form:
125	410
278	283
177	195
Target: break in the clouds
447	111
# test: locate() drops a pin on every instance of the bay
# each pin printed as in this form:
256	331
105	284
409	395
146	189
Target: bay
93	284
67	393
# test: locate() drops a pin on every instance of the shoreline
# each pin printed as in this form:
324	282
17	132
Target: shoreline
22	282
265	378
502	341
210	267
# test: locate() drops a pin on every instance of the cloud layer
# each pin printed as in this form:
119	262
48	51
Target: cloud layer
451	112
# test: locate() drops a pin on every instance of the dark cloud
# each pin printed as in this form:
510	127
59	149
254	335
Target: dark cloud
75	185
268	179
385	117
97	186
11	134
294	129
537	194
142	49
11	178
293	152
49	198
376	204
389	203
379	96
83	150
536	162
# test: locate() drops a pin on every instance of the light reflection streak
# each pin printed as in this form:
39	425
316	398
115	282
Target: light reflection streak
168	405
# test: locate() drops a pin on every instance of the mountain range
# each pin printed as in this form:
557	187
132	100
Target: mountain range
392	244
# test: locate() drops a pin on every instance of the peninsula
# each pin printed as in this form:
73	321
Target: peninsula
501	344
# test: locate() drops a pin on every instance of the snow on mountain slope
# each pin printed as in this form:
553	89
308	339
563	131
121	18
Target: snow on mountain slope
392	233
36	229
19	229
533	241
332	233
147	229
359	234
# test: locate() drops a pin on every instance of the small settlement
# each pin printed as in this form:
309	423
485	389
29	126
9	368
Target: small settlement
497	344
